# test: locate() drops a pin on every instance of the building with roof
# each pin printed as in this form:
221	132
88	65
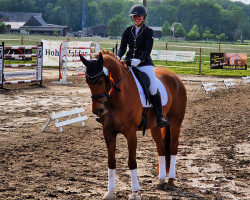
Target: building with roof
31	23
156	31
36	25
14	20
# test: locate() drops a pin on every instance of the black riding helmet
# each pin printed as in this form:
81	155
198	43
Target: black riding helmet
138	10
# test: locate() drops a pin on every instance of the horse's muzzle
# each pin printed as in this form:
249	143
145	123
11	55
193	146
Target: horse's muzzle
99	112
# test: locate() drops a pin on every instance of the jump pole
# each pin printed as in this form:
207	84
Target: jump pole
37	73
63	60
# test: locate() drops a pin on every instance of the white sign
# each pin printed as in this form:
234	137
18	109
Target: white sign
39	62
180	56
19	74
51	52
1	64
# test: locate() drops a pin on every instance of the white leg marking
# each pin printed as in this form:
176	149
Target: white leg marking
162	167
172	171
134	180
111	180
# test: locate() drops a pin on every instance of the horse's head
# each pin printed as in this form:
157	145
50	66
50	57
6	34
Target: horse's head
97	77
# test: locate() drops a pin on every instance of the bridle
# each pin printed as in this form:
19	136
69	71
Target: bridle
109	84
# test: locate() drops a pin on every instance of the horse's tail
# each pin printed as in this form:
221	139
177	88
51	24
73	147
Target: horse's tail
167	139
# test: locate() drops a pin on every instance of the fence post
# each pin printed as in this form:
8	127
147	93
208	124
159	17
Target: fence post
166	46
219	48
21	40
200	62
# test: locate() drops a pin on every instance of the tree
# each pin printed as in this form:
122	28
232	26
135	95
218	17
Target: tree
109	9
237	34
117	25
10	5
2	27
27	6
194	33
157	15
166	30
207	34
238	23
179	30
222	37
27	30
93	15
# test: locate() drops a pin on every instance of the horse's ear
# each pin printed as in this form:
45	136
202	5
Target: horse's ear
84	60
100	59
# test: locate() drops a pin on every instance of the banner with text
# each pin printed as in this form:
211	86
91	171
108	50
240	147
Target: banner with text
179	56
51	51
222	60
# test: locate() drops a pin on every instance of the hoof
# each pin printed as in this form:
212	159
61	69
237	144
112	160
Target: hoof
109	196
170	185
171	182
161	184
134	196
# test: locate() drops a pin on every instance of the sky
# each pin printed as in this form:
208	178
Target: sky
243	1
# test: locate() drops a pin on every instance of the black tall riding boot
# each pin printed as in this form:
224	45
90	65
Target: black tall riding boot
160	118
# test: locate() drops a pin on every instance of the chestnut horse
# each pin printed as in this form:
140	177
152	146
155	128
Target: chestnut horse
116	101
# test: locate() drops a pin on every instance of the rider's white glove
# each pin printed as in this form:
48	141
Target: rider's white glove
118	57
135	62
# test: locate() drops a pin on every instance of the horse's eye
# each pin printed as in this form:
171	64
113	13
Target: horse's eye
100	82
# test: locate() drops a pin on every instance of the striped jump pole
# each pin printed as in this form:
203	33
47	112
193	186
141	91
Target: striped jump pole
6	75
70	54
20	81
81	47
20	65
80	74
20	56
19	47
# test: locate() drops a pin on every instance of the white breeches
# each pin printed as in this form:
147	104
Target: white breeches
149	70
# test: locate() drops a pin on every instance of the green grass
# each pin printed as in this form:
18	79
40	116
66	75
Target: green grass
176	67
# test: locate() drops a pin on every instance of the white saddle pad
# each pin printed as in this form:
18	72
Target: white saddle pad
161	88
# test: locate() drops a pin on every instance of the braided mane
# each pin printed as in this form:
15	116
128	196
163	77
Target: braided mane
105	52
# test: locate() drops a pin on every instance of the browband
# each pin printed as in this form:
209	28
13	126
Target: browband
96	77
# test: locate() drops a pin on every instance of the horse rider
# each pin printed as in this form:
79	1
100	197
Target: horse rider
139	38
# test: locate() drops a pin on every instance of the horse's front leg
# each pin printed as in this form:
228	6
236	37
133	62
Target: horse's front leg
110	139
132	164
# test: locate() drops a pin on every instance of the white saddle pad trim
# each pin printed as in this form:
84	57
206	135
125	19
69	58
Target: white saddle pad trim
161	88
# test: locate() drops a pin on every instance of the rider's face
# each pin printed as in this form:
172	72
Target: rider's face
138	19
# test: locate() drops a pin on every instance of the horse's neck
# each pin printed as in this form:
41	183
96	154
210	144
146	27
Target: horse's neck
116	69
123	77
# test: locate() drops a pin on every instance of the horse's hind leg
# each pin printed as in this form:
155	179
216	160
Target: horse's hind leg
166	137
156	134
173	148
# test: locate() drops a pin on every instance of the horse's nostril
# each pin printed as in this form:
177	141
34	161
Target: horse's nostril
100	111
